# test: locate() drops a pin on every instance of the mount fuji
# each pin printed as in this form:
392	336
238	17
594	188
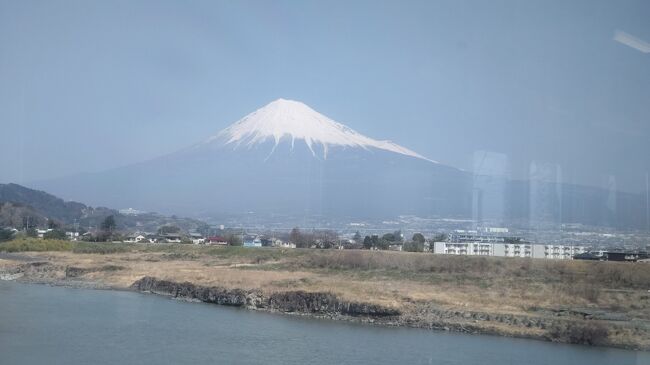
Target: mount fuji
284	158
287	160
288	120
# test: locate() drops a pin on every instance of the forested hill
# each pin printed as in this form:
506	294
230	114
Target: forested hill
46	204
21	206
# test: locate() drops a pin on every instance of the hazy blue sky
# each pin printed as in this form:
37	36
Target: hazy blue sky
89	85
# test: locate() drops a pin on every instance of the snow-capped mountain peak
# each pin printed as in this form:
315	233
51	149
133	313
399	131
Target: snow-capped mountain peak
282	119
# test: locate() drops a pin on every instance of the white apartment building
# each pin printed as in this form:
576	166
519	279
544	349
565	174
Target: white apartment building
562	252
502	249
464	248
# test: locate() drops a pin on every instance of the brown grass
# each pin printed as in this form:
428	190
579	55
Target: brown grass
409	281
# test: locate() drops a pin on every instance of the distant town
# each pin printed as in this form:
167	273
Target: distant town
488	241
28	213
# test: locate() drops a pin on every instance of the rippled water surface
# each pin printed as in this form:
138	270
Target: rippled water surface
53	325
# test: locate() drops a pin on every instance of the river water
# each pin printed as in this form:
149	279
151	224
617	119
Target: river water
54	325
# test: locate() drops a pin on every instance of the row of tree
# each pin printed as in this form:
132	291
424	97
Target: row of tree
330	239
416	244
53	234
384	242
315	238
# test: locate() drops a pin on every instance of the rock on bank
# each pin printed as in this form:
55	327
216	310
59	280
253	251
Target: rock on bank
318	303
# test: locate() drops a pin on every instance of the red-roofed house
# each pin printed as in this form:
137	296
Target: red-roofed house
216	240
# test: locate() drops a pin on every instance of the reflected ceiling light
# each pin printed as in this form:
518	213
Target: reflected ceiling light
632	41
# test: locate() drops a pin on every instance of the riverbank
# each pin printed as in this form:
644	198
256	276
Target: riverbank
596	303
43	324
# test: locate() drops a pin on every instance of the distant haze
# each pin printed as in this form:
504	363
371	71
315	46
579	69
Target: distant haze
507	88
288	160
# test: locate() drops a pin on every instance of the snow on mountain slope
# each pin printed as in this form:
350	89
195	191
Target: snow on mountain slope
282	119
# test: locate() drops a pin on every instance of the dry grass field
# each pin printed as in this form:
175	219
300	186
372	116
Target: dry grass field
613	297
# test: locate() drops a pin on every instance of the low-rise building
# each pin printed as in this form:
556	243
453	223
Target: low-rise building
216	240
395	247
197	238
508	249
41	232
562	251
283	244
170	238
136	238
252	241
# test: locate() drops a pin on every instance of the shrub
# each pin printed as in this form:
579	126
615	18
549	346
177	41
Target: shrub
413	246
32	244
587	291
586	333
100	248
55	234
6	234
234	240
418	237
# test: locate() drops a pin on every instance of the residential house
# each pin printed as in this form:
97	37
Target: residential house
136	239
170	238
216	240
197	238
41	232
252	241
280	243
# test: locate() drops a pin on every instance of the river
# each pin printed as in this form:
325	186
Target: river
54	325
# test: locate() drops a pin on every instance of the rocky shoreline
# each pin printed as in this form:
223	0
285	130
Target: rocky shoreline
559	326
327	305
300	302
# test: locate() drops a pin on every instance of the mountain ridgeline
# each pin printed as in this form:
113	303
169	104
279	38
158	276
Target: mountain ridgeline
21	207
287	159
